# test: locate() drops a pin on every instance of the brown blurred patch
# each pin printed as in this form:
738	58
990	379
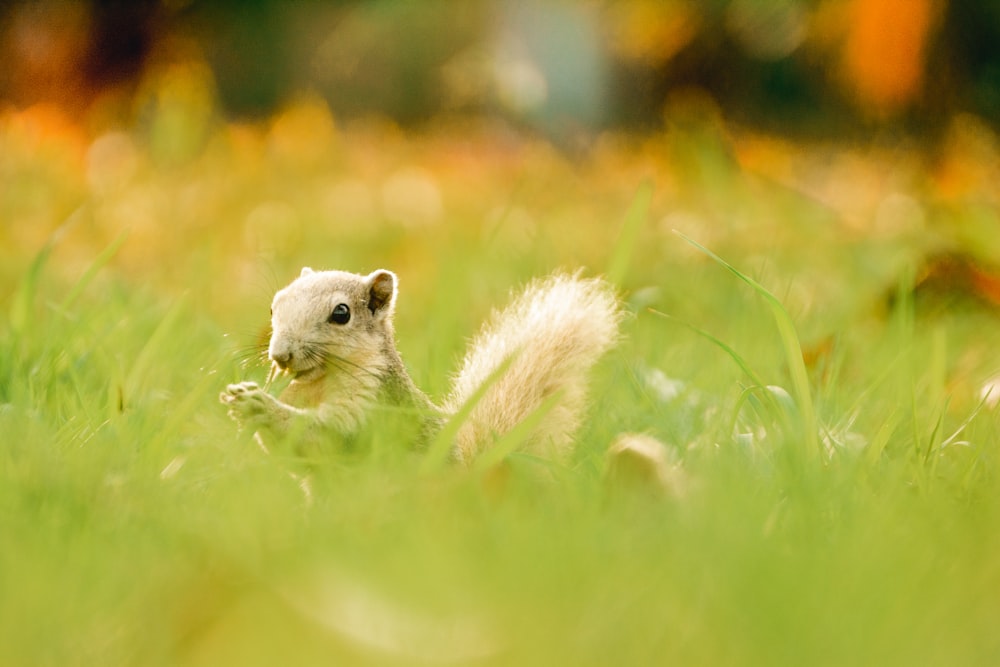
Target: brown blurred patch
67	53
951	278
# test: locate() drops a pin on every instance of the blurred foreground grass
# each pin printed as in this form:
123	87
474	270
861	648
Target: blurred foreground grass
138	528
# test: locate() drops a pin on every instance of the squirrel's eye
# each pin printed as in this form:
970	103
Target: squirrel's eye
341	314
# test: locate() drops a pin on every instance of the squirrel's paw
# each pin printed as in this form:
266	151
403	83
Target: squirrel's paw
234	390
248	403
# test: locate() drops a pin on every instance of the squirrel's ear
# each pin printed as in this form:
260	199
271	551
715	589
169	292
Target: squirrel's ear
306	271
381	292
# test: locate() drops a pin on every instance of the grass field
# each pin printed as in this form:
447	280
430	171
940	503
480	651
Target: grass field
850	517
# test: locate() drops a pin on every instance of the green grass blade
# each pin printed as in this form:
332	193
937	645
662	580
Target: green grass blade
24	298
938	425
510	441
151	351
765	402
439	449
635	217
791	345
758	386
881	438
99	263
194	399
864	396
733	354
950	440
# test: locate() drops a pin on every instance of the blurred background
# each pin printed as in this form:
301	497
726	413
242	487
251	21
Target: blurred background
567	69
304	131
165	165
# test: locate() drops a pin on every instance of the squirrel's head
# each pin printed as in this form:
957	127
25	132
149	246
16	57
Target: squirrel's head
331	319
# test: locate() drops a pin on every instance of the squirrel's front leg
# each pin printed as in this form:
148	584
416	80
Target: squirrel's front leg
255	409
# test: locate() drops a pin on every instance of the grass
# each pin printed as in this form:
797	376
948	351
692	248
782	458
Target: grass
842	502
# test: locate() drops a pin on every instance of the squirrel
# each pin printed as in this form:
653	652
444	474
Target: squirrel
332	332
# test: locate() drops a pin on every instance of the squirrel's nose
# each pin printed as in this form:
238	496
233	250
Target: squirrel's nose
281	356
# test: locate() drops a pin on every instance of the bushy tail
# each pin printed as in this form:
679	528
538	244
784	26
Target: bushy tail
549	337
